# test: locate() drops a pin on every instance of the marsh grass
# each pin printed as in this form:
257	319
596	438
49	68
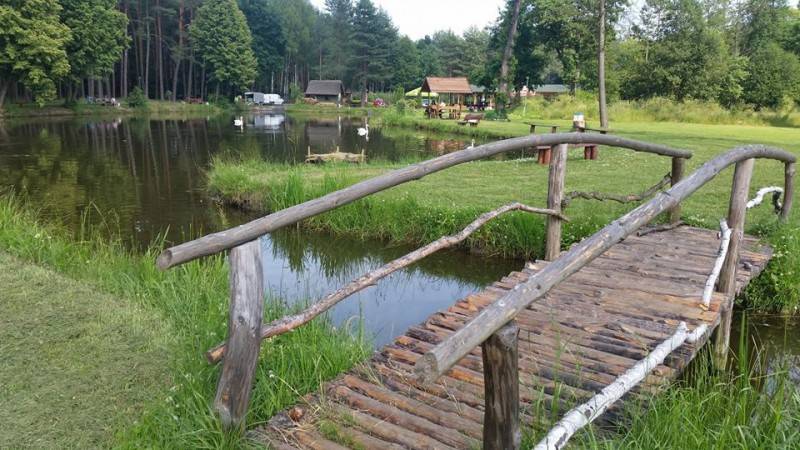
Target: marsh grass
192	301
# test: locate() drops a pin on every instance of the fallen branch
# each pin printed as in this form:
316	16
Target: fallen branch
725	235
586	413
649	192
289	323
659	228
776	197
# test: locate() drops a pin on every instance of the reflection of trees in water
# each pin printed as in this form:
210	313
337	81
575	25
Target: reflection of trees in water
772	345
346	258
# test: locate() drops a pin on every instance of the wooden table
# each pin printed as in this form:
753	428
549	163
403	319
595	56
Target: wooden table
590	151
544	153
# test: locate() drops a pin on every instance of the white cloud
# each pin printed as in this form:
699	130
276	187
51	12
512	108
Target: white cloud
416	18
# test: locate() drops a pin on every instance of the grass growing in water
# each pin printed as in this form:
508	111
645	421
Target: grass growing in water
192	300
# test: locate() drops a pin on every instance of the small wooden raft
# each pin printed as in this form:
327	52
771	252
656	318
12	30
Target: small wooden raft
586	332
336	156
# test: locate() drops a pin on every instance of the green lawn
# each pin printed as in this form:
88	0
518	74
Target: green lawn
78	366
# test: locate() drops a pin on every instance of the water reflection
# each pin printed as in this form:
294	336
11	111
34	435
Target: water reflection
772	343
300	266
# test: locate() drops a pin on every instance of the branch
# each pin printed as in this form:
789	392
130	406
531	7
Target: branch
776	197
616	197
289	323
660	228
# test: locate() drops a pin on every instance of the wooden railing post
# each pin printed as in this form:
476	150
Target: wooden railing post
244	334
501	429
676	175
555	194
727	278
788	191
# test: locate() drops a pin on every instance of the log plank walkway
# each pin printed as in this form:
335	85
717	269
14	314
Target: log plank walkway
573	342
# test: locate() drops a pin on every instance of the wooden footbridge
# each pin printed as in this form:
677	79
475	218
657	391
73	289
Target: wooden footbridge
618	315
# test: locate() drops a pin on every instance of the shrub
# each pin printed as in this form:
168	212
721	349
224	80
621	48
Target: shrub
295	93
136	98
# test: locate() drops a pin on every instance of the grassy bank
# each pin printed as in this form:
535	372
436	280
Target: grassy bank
444	202
191	302
12	111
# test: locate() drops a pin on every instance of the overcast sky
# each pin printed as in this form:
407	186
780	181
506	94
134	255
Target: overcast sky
416	18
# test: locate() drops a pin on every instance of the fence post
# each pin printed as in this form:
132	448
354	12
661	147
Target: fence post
727	277
244	334
788	191
676	175
501	429
555	194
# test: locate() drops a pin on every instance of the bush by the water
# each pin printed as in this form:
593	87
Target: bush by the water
136	98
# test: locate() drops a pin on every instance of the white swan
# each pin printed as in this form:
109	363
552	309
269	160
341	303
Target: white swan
364	131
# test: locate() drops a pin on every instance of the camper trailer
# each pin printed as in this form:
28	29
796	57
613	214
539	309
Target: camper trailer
259	98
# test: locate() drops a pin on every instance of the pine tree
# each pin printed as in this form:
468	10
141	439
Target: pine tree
223	42
32	47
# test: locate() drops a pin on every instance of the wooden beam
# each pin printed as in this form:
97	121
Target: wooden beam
788	191
555	194
678	168
246	311
500	353
737	209
227	239
448	352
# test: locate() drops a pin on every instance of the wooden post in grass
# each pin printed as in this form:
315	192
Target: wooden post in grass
727	278
244	334
555	193
501	429
788	191
676	175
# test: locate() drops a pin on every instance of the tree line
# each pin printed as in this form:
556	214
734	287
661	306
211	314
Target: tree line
735	53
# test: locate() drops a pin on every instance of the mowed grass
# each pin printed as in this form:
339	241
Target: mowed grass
191	303
78	365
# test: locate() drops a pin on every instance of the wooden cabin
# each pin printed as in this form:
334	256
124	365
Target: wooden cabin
326	91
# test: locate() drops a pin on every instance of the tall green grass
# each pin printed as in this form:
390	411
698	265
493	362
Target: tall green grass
193	300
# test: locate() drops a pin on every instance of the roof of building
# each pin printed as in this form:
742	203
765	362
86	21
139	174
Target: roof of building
477	89
457	85
325	87
551	89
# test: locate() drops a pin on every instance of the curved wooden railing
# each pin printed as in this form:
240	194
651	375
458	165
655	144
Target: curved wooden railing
490	328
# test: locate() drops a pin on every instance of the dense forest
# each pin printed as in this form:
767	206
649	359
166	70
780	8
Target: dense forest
734	53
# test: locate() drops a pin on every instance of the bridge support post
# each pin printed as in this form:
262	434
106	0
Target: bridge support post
676	175
244	335
727	278
555	194
501	429
788	191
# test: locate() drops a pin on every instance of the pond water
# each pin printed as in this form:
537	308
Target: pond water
144	177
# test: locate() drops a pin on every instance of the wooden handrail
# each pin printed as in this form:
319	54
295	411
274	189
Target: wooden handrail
447	353
225	240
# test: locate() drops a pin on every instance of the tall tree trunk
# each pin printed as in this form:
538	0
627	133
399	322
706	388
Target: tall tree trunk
601	64
147	54
512	33
159	52
3	90
178	53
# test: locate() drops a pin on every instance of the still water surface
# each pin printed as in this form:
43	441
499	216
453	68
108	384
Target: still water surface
146	177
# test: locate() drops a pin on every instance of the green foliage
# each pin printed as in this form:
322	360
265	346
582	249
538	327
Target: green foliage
295	93
224	44
268	38
98	33
774	77
137	99
32	47
778	288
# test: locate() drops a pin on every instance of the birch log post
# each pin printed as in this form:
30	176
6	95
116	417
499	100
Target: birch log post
555	194
246	310
289	323
776	192
678	168
725	239
788	191
727	278
501	428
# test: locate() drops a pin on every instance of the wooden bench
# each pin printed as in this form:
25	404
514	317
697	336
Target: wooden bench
471	119
590	151
543	152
